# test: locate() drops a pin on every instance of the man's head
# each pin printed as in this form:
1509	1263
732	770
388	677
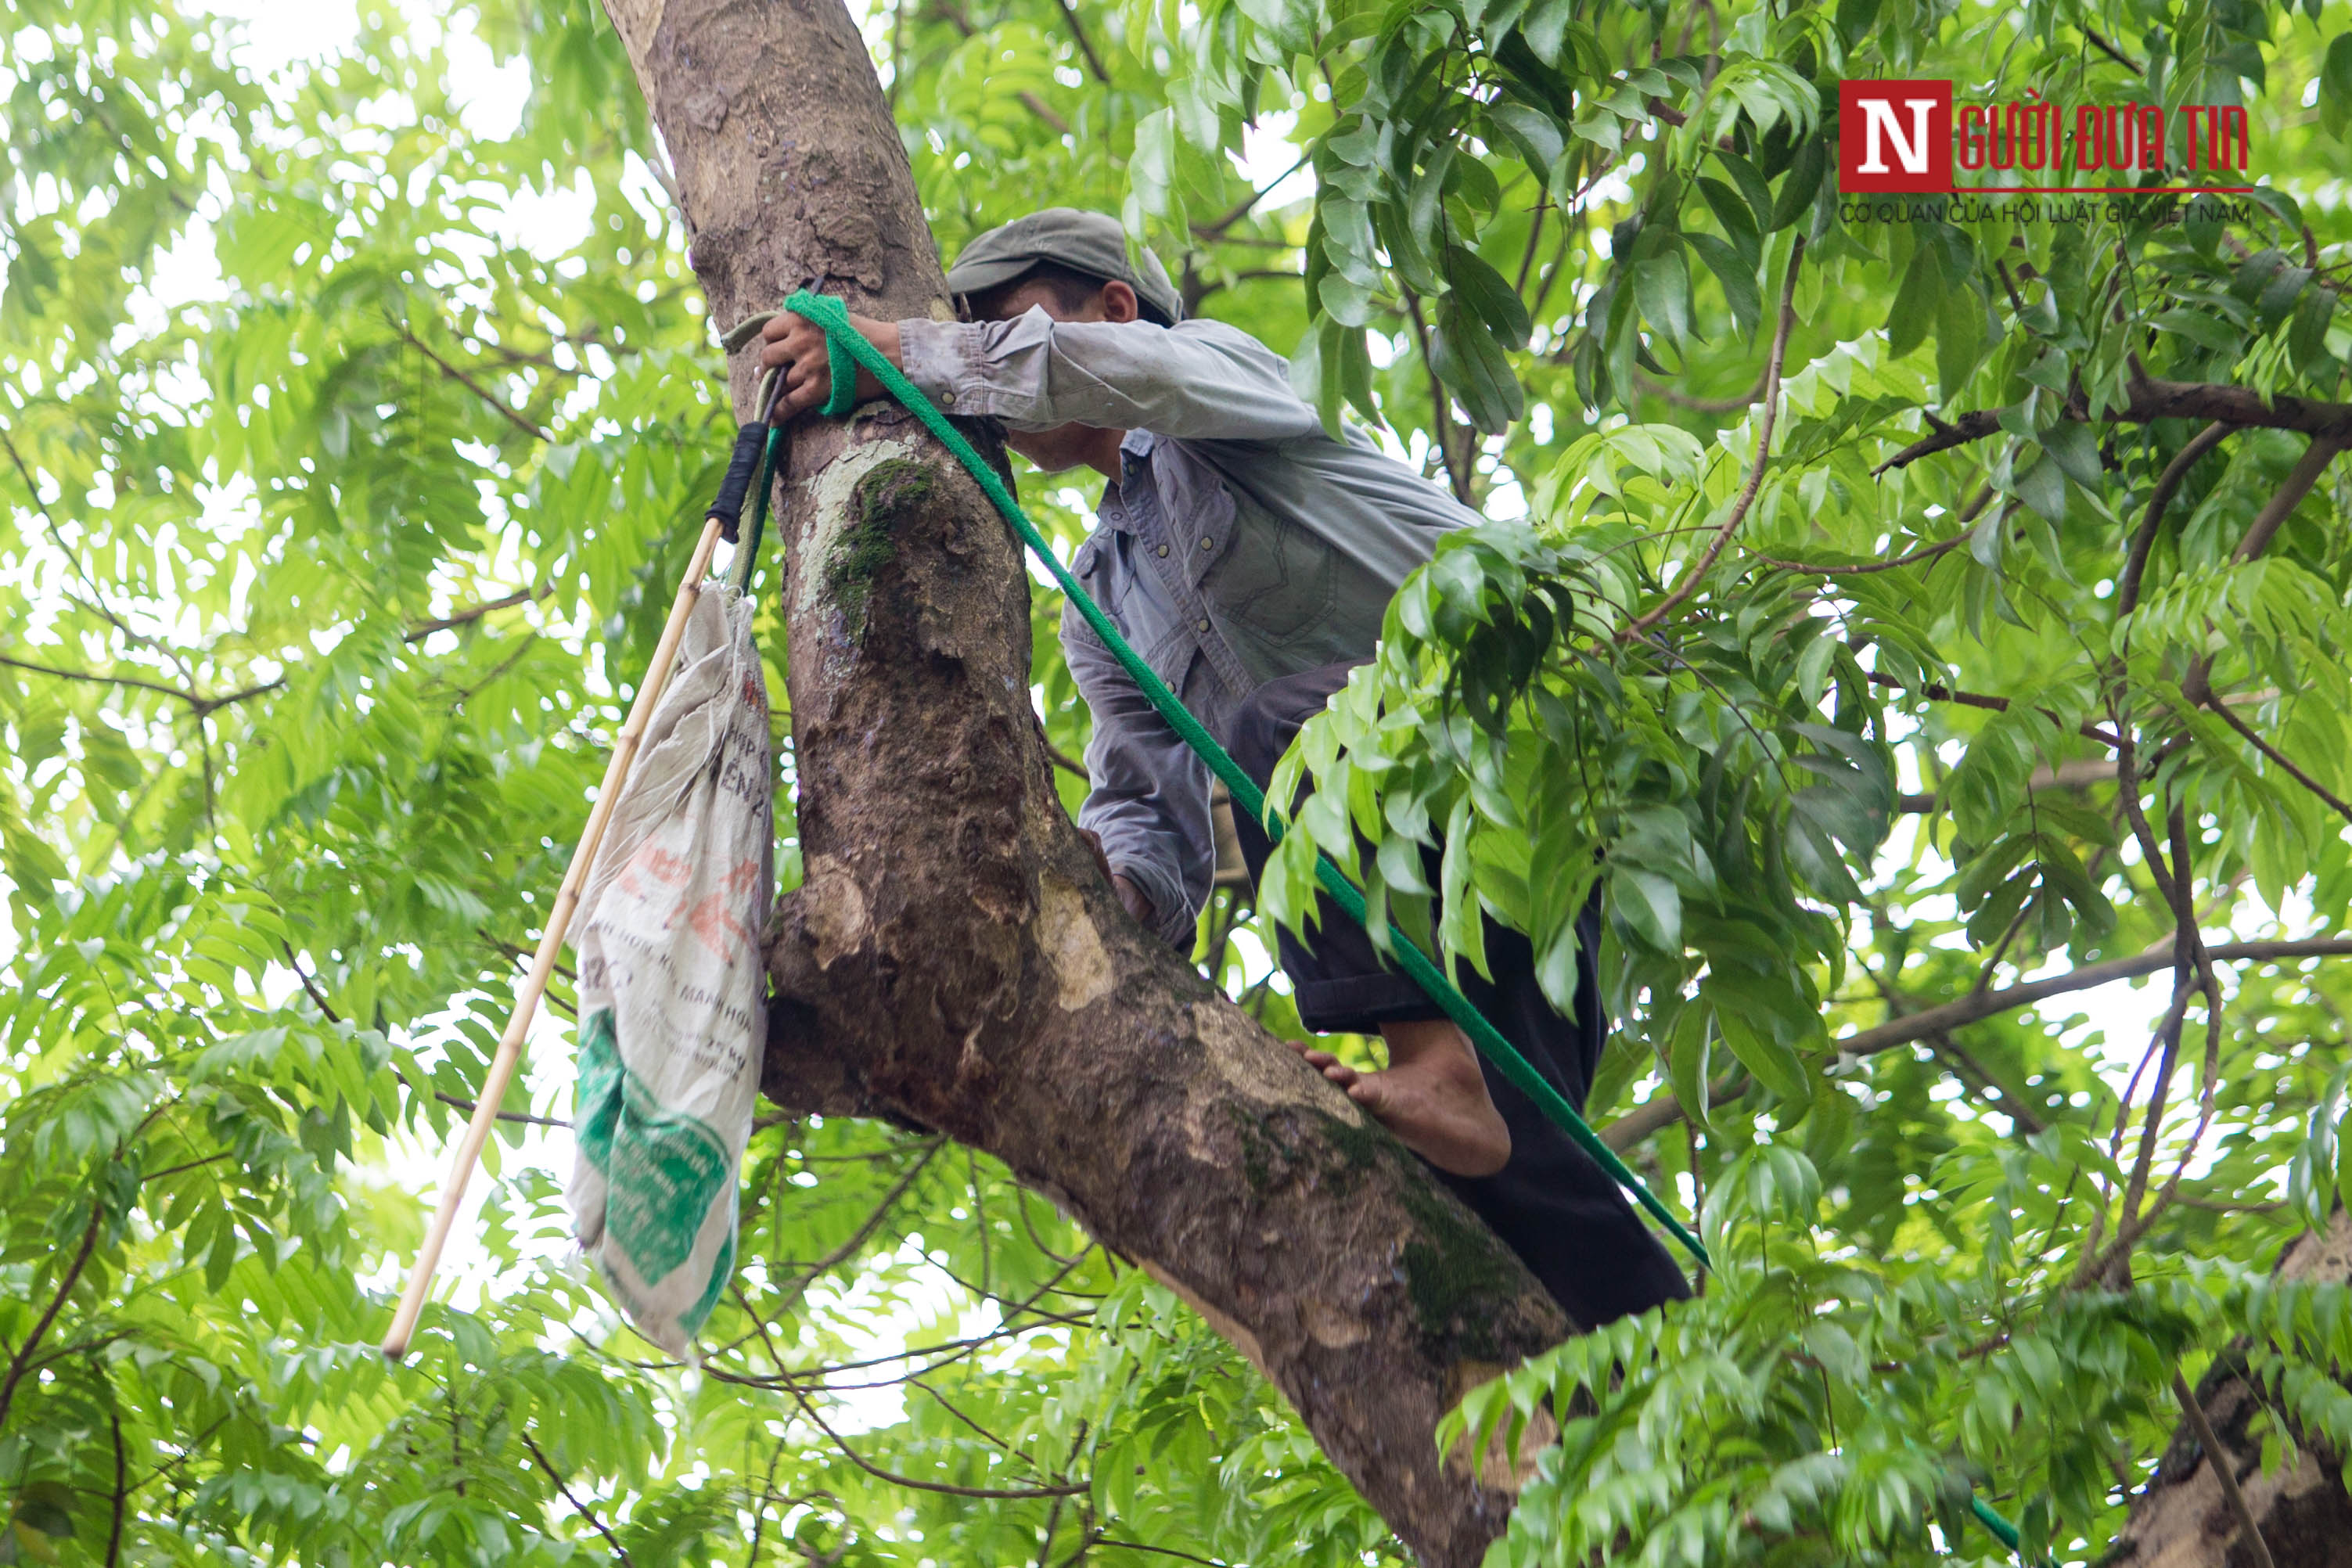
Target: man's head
1073	265
1066	249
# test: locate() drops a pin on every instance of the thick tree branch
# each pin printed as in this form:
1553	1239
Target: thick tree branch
952	960
1664	1110
2299	1511
2150	399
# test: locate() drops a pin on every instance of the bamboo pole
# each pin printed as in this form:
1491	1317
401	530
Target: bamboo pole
550	947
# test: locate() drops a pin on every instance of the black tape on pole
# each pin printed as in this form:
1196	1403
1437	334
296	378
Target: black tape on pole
729	507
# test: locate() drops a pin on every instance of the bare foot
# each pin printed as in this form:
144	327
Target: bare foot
1433	1097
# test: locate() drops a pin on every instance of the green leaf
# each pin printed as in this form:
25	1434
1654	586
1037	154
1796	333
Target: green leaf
2307	340
1686	1063
2199	327
2336	86
1959	340
1916	303
1468	359
1347	302
1733	214
1737	278
1488	294
1802	183
1775	1065
1751	186
2070	446
1538	139
2042	485
1650	905
1661	283
1546	26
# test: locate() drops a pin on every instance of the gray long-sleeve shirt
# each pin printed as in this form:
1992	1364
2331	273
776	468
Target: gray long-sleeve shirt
1239	544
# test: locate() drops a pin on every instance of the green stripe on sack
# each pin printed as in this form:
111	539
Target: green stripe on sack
662	1168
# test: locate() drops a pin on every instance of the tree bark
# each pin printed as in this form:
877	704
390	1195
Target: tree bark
954	960
2184	1519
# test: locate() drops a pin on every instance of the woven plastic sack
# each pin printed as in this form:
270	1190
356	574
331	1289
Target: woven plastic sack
672	1015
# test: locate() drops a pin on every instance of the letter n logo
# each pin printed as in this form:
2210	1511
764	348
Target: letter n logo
1894	136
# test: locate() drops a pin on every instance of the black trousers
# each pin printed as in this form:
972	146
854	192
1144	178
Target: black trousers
1555	1206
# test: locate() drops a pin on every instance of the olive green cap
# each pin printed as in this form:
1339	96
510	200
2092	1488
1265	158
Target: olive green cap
1091	243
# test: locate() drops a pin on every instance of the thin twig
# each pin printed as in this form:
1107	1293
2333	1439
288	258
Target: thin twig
1086	45
2336	803
1935	691
2143	541
1216	227
72	1276
310	986
581	1508
520	421
2225	1470
1440	407
2291	491
1680	399
122	1493
1688	583
1663	1109
1865	568
864	1233
424	629
808	1408
469	1107
1160	1551
2099	42
198	703
73	557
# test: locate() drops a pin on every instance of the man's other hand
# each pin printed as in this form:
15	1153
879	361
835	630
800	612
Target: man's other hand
1130	896
1137	902
792	341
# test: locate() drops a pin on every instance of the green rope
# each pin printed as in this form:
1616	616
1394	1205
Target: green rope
844	344
845	350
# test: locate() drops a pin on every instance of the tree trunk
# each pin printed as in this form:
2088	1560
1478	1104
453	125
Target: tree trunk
2184	1519
954	959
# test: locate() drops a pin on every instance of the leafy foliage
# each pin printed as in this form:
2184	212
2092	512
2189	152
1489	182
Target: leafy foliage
353	437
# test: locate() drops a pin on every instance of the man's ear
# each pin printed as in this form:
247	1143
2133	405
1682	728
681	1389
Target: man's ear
1118	301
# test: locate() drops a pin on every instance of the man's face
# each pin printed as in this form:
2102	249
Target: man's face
1067	446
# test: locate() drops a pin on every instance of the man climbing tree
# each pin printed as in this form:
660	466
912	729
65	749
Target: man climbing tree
1254	555
1921	613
